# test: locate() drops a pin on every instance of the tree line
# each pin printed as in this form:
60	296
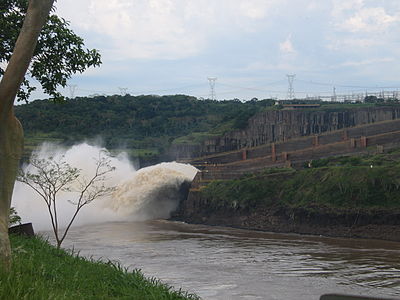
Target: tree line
135	122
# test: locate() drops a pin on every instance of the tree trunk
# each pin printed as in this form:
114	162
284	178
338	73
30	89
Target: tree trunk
11	134
11	144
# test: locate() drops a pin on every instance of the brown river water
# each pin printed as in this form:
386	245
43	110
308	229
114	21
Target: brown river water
213	262
227	263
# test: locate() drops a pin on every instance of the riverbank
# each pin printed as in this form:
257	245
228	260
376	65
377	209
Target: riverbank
340	197
381	225
40	271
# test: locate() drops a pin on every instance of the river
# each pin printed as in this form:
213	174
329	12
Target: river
227	263
213	262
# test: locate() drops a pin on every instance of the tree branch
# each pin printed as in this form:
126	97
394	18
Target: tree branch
36	16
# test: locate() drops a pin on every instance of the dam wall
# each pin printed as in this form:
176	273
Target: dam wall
276	126
297	152
368	131
347	140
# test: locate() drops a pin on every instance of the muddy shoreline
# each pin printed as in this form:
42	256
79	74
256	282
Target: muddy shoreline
368	224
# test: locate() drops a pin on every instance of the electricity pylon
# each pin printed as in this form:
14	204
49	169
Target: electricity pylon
290	93
211	81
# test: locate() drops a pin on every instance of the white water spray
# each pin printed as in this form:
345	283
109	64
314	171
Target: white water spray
149	193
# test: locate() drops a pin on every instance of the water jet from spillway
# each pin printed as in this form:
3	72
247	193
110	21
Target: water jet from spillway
148	193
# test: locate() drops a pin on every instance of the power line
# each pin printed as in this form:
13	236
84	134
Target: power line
306	87
251	88
94	91
347	86
174	89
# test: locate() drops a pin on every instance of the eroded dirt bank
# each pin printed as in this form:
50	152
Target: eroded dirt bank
372	224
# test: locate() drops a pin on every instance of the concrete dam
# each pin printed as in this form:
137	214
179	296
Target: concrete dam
277	139
282	125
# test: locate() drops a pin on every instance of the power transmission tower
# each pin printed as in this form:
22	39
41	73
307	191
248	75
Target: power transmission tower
334	98
123	91
72	88
290	93
211	81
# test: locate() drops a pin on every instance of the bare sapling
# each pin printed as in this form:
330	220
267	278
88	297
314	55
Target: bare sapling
50	176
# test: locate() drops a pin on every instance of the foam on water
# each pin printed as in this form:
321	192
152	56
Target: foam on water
148	193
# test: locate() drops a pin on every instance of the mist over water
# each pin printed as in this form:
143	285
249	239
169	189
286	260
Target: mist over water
144	194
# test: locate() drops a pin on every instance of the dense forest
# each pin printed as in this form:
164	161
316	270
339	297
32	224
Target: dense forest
145	126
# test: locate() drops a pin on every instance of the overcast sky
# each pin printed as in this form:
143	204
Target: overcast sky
172	46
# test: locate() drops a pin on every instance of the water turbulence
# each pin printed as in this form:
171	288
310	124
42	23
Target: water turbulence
152	192
148	193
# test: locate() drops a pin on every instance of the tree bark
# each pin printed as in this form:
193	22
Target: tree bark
11	144
11	133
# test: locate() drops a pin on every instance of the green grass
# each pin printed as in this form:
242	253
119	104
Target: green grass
40	271
343	106
349	182
387	159
344	187
195	138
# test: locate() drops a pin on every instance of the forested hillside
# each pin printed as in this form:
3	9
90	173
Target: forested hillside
146	126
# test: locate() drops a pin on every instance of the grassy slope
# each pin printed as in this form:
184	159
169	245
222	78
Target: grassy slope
345	182
40	271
